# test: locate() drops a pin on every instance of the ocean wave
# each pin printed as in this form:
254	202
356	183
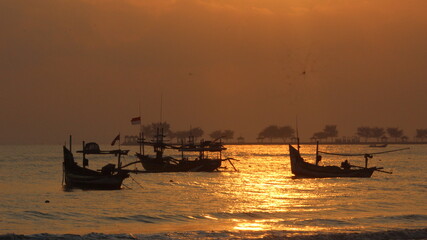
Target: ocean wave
164	218
323	222
284	218
407	217
37	214
135	218
401	234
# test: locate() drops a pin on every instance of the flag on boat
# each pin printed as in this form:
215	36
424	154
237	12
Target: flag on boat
135	120
115	140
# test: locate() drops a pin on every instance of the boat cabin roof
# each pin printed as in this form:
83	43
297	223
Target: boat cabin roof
93	148
202	149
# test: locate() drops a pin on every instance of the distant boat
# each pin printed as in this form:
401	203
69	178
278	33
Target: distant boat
378	145
170	164
302	169
108	178
204	157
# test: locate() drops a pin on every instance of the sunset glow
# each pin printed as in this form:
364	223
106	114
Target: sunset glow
241	61
213	119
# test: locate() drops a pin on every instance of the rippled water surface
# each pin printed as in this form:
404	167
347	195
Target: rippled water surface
261	197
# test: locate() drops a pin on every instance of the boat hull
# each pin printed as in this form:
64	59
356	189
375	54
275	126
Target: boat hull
108	182
84	178
303	169
170	165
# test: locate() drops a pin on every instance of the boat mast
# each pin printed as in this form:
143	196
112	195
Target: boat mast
119	162
141	134
161	109
296	120
182	146
70	143
159	145
85	161
141	143
317	152
367	156
220	152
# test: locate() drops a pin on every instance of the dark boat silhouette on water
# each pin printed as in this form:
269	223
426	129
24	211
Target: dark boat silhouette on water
203	157
303	169
108	178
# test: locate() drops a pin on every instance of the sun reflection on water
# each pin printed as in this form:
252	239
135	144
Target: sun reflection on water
261	196
266	197
256	225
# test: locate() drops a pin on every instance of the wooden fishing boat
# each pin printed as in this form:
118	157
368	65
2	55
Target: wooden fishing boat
108	178
203	157
301	168
169	164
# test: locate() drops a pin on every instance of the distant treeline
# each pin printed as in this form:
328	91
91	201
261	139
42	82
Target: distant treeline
282	133
330	132
151	130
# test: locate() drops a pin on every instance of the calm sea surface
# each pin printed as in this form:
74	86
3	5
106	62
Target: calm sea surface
260	200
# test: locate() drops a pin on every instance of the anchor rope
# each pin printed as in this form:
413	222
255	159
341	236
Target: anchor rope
136	181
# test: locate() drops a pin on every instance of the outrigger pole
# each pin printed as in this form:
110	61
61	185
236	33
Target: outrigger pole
366	156
363	154
376	169
229	160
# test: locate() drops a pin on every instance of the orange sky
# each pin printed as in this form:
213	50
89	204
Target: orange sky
83	66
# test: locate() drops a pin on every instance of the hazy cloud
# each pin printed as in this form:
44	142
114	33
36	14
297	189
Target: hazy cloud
83	66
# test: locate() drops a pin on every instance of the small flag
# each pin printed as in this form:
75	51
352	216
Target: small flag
115	140
135	120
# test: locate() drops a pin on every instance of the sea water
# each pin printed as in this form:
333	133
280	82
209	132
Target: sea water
260	200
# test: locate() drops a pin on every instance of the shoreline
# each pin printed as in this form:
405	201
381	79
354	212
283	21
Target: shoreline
402	234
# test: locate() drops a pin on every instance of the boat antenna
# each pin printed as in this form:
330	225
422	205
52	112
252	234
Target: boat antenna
190	136
318	157
296	123
71	143
119	160
139	115
141	135
161	109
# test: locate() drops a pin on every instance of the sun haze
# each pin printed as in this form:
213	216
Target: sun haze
85	66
